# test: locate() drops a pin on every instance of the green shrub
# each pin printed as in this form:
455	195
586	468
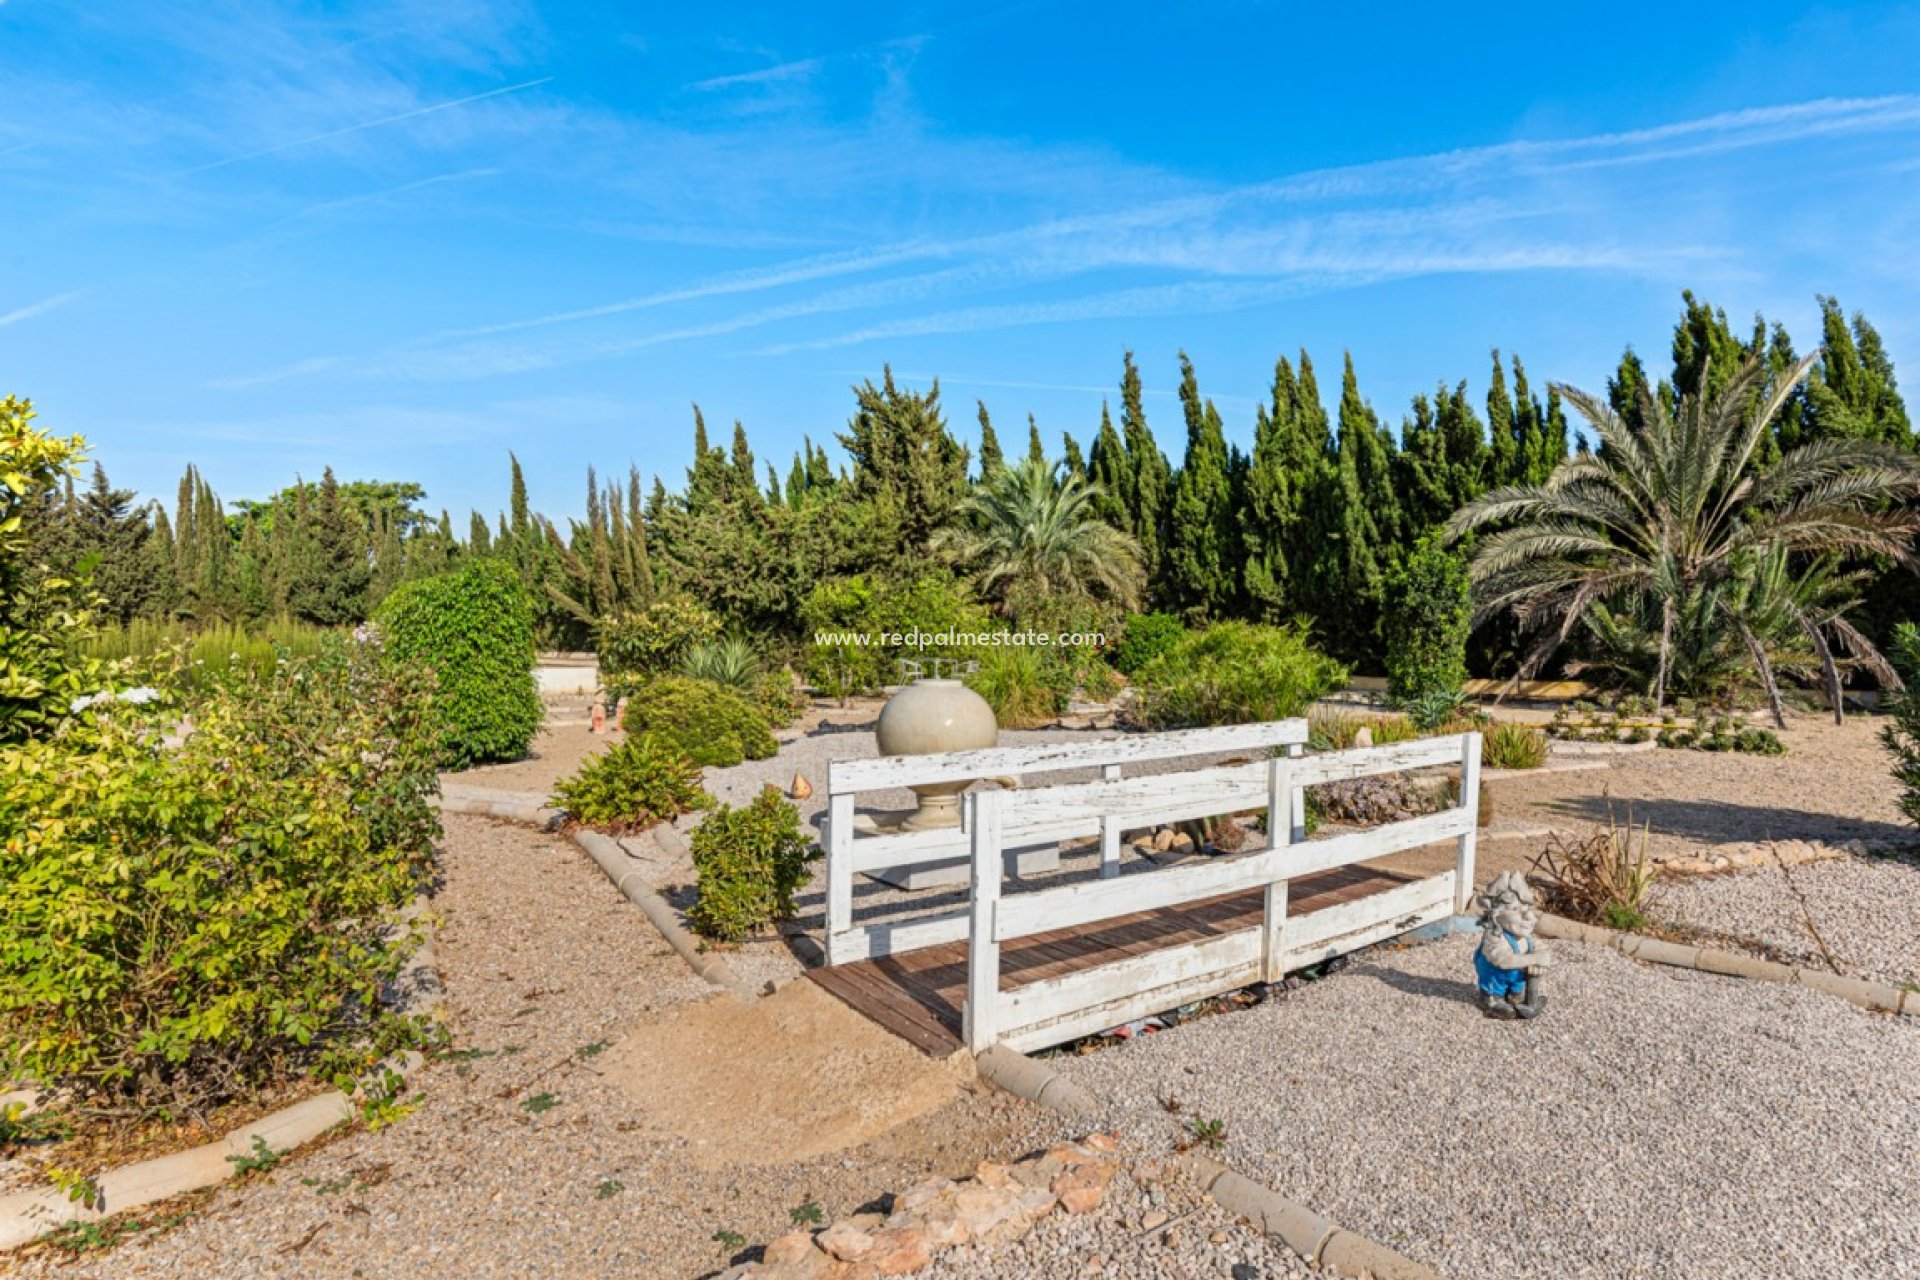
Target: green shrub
779	697
1147	636
1025	685
1234	673
1514	746
630	787
474	629
747	864
42	614
182	924
709	724
1428	615
730	662
871	608
652	640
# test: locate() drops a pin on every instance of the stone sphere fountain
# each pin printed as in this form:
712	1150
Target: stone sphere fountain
929	716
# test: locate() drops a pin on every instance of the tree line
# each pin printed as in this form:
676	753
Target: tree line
1310	522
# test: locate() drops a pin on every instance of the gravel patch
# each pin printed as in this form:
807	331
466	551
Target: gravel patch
1153	1225
1867	910
1655	1122
543	959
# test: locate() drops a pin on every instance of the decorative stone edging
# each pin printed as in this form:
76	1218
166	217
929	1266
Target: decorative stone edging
1879	996
27	1215
1762	853
1316	1239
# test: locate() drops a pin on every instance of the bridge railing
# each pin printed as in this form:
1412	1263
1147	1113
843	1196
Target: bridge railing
850	852
1056	1009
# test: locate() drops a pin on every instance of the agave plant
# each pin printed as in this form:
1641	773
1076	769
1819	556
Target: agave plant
730	661
1667	516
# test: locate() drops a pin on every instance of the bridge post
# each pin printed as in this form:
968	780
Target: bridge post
1470	801
839	870
980	1024
1281	834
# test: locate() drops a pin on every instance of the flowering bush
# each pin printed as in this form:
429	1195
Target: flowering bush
185	922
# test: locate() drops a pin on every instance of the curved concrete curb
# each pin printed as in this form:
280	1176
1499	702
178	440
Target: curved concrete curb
25	1216
1879	996
1321	1242
525	813
1307	1233
627	877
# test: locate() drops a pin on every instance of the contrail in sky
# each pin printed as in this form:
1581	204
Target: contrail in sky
370	124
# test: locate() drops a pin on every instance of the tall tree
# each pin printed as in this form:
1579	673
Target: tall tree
905	462
990	457
1149	484
1851	393
1109	473
1506	437
1036	451
1202	552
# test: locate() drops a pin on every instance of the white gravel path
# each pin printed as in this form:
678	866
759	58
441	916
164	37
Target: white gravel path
1654	1123
1867	910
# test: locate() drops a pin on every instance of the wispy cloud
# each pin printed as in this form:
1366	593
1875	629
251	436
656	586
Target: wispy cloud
39	308
799	69
384	121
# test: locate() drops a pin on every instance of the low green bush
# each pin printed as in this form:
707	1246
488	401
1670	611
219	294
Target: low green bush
1514	746
1901	734
708	723
747	863
631	787
185	923
474	629
652	640
1026	686
1235	673
1147	636
780	697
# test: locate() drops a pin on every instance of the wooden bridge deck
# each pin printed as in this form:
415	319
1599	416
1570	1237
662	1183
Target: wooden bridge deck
918	994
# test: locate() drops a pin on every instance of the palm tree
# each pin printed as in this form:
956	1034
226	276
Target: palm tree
1666	519
1031	534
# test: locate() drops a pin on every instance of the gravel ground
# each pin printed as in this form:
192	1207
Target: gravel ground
542	958
1655	1122
1867	910
1154	1225
1696	800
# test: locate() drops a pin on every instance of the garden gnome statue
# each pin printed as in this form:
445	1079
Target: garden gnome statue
1508	962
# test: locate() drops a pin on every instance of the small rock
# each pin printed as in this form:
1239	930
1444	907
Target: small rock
897	1251
1163	839
793	1257
1081	1189
1363	736
1219	1237
801	788
991	1214
989	1174
1155	1219
845	1242
1182	843
1245	1271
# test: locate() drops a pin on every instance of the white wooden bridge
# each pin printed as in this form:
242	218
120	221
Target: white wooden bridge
1032	961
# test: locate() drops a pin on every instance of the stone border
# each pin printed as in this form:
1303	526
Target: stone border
1878	996
1316	1239
27	1215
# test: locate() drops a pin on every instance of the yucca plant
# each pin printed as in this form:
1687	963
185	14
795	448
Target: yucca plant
1604	878
1671	510
730	662
1514	746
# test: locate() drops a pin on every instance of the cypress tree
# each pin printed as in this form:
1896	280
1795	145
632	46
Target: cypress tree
1149	477
1201	558
1108	468
743	483
1852	393
905	462
1072	458
329	580
518	499
1552	438
990	458
1273	499
1506	438
479	540
1036	451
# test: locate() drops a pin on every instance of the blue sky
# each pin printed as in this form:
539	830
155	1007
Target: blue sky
404	238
